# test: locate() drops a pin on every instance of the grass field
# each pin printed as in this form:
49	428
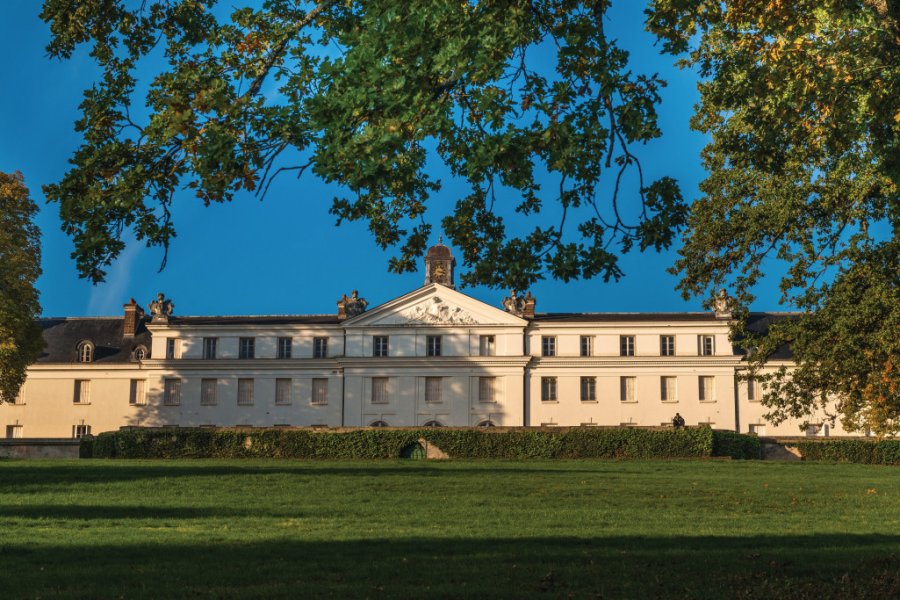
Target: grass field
630	529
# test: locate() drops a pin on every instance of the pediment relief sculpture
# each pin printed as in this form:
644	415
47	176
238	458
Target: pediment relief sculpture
436	312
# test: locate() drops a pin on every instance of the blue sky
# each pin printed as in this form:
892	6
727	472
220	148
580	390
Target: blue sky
285	255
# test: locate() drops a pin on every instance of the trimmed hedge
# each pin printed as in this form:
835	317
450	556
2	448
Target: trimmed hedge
736	445
884	452
579	442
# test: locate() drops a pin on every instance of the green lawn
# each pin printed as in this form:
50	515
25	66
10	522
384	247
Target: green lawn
584	529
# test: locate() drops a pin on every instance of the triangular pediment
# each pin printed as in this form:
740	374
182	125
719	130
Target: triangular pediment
434	305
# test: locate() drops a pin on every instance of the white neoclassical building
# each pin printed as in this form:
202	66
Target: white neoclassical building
433	357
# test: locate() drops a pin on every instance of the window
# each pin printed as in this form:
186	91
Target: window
85	352
626	389
812	430
247	347
486	389
707	389
320	391
172	392
706	345
548	345
626	345
486	423
379	423
433	345
667	345
14	432
587	345
245	392
285	347
751	390
432	424
140	353
588	389
433	389
486	346
208	390
320	347
209	348
667	389
380	345
80	431
136	392
82	391
170	348
548	389
758	429
380	390
283	391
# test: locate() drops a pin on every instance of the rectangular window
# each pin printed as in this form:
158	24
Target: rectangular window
548	345
433	389
667	389
487	389
380	390
758	429
626	345
627	389
82	391
486	346
285	347
433	345
707	388
172	392
14	432
587	345
170	348
283	391
80	431
247	347
588	389
320	391
751	390
667	345
208	391
320	347
209	348
379	345
245	392
706	345
548	389
136	392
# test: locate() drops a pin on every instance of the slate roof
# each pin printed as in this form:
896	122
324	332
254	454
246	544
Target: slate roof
618	317
110	346
258	320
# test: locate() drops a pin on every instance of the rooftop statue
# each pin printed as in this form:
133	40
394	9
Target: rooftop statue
161	308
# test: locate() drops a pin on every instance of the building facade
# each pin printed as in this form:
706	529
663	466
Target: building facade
433	357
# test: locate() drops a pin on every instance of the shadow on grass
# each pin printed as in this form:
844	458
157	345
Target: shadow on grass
116	513
835	566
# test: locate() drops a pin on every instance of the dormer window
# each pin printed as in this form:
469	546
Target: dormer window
140	353
85	352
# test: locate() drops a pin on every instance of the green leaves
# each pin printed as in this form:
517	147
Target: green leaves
375	95
20	254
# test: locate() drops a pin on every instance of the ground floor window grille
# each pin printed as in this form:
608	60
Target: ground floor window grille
208	389
379	423
82	391
548	389
380	390
320	391
245	391
486	389
136	392
283	391
627	389
667	389
588	389
433	389
707	388
172	392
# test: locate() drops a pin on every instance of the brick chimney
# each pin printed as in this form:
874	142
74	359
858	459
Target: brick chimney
528	308
133	314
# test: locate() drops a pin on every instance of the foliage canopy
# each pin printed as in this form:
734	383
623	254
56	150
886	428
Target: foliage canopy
20	254
801	101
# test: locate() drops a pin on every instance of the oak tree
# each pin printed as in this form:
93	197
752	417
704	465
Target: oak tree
20	254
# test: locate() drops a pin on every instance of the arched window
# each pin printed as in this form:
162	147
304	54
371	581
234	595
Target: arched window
379	424
85	352
432	424
140	353
487	423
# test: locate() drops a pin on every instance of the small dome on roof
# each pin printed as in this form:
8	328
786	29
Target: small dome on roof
439	251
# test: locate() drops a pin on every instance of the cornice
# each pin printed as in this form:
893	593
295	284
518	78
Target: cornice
636	361
434	361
